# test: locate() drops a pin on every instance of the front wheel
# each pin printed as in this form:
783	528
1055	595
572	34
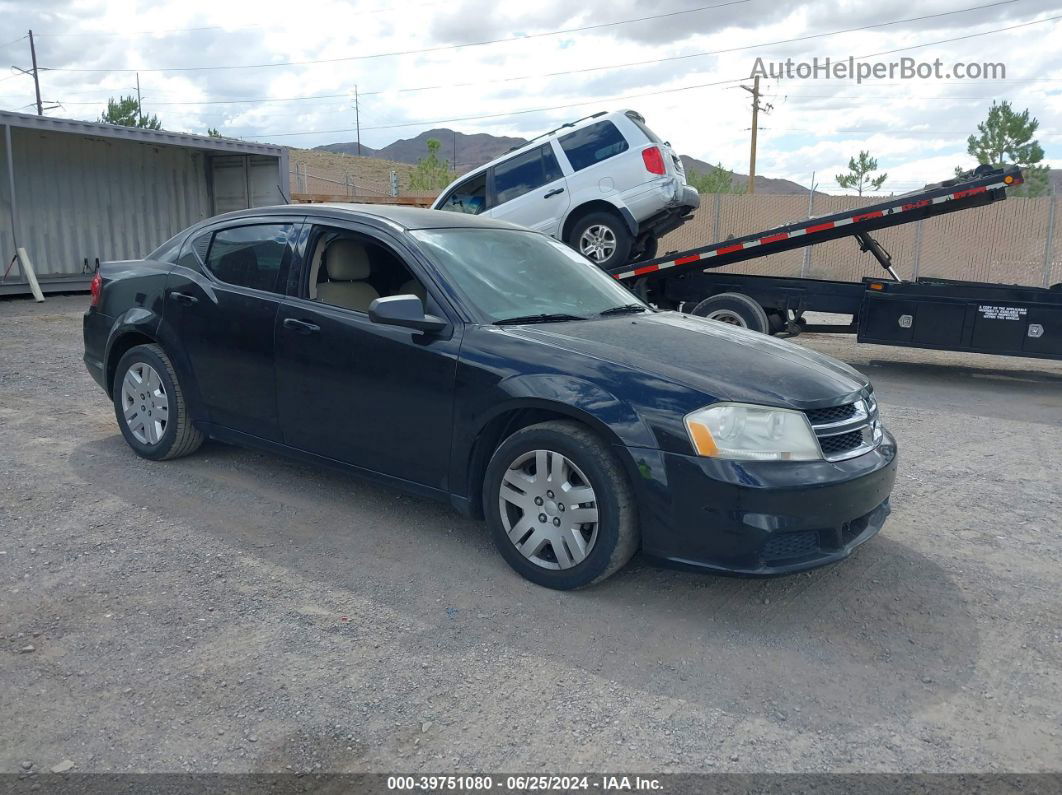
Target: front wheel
150	407
560	506
602	238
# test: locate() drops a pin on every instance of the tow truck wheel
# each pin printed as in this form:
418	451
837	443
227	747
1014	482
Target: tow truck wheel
735	309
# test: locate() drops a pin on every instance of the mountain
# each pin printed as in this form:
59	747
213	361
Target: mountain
349	148
783	187
470	150
479	148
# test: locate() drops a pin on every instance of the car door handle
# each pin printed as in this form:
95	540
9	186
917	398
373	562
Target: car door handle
300	326
184	298
554	192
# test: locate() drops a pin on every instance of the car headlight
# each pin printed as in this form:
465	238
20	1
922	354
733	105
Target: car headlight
743	432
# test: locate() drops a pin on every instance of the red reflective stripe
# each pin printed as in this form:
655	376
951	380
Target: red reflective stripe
774	238
646	269
730	249
819	227
916	205
867	216
687	260
962	194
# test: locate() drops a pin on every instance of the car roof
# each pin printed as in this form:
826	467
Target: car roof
405	218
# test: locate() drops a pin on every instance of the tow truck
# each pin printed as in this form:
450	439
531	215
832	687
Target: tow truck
942	314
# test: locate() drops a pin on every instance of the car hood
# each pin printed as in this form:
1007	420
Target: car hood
723	361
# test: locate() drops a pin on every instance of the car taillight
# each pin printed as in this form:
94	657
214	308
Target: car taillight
654	160
94	288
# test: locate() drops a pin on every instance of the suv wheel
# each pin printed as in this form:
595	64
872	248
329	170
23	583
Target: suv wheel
602	238
559	505
149	405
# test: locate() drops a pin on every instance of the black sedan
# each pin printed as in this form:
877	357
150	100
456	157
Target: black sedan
493	368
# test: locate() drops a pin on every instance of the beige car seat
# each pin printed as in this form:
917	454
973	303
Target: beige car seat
347	266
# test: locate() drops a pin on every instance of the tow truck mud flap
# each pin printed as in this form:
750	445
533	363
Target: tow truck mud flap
977	323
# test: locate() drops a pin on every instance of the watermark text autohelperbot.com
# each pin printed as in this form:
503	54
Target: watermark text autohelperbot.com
860	70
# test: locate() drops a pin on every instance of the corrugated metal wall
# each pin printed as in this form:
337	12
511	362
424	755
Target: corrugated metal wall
1006	242
82	197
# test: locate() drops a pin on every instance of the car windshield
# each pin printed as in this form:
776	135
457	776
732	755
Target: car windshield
509	274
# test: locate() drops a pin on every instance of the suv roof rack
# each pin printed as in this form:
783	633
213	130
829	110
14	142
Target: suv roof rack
562	127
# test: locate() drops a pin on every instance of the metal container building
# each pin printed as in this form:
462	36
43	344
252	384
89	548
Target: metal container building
72	192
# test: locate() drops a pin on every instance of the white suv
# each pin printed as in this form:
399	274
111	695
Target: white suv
606	185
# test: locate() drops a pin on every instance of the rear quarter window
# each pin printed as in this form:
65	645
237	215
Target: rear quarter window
592	144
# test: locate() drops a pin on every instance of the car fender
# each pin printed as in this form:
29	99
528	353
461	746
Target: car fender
138	320
599	202
571	396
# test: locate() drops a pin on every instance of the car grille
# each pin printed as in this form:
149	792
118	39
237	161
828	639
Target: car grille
832	414
848	430
791	545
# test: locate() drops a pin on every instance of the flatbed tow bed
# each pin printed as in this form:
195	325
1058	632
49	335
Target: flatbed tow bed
942	314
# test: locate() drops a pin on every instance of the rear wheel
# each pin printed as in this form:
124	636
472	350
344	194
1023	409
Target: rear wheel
602	238
560	507
150	407
735	309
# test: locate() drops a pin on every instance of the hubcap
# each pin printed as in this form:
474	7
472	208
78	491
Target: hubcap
549	509
144	403
597	243
727	316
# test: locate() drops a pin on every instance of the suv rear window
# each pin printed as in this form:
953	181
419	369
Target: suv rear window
524	173
592	144
639	122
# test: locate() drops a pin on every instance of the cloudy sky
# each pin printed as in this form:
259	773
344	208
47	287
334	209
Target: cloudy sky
519	68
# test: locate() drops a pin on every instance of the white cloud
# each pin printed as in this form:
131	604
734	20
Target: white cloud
914	128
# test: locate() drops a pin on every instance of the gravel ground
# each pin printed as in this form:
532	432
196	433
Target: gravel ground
236	611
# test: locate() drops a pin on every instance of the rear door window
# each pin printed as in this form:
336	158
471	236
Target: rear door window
524	173
592	144
468	197
251	256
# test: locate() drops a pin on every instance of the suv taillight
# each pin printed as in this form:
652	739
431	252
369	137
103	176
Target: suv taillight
94	288
654	160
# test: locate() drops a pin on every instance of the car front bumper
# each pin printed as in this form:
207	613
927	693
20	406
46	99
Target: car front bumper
761	517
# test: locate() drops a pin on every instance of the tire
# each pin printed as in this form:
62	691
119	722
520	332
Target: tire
736	309
777	321
150	369
648	249
584	463
613	239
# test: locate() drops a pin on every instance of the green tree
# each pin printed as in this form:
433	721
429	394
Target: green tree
126	112
718	180
431	173
213	132
859	174
1007	138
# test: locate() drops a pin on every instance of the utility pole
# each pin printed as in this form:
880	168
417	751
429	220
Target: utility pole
454	162
357	117
756	108
36	80
139	107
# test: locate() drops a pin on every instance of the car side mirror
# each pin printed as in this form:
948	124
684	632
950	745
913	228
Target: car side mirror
406	311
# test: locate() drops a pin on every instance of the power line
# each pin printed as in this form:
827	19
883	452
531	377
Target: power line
155	33
960	38
544	75
429	49
501	115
